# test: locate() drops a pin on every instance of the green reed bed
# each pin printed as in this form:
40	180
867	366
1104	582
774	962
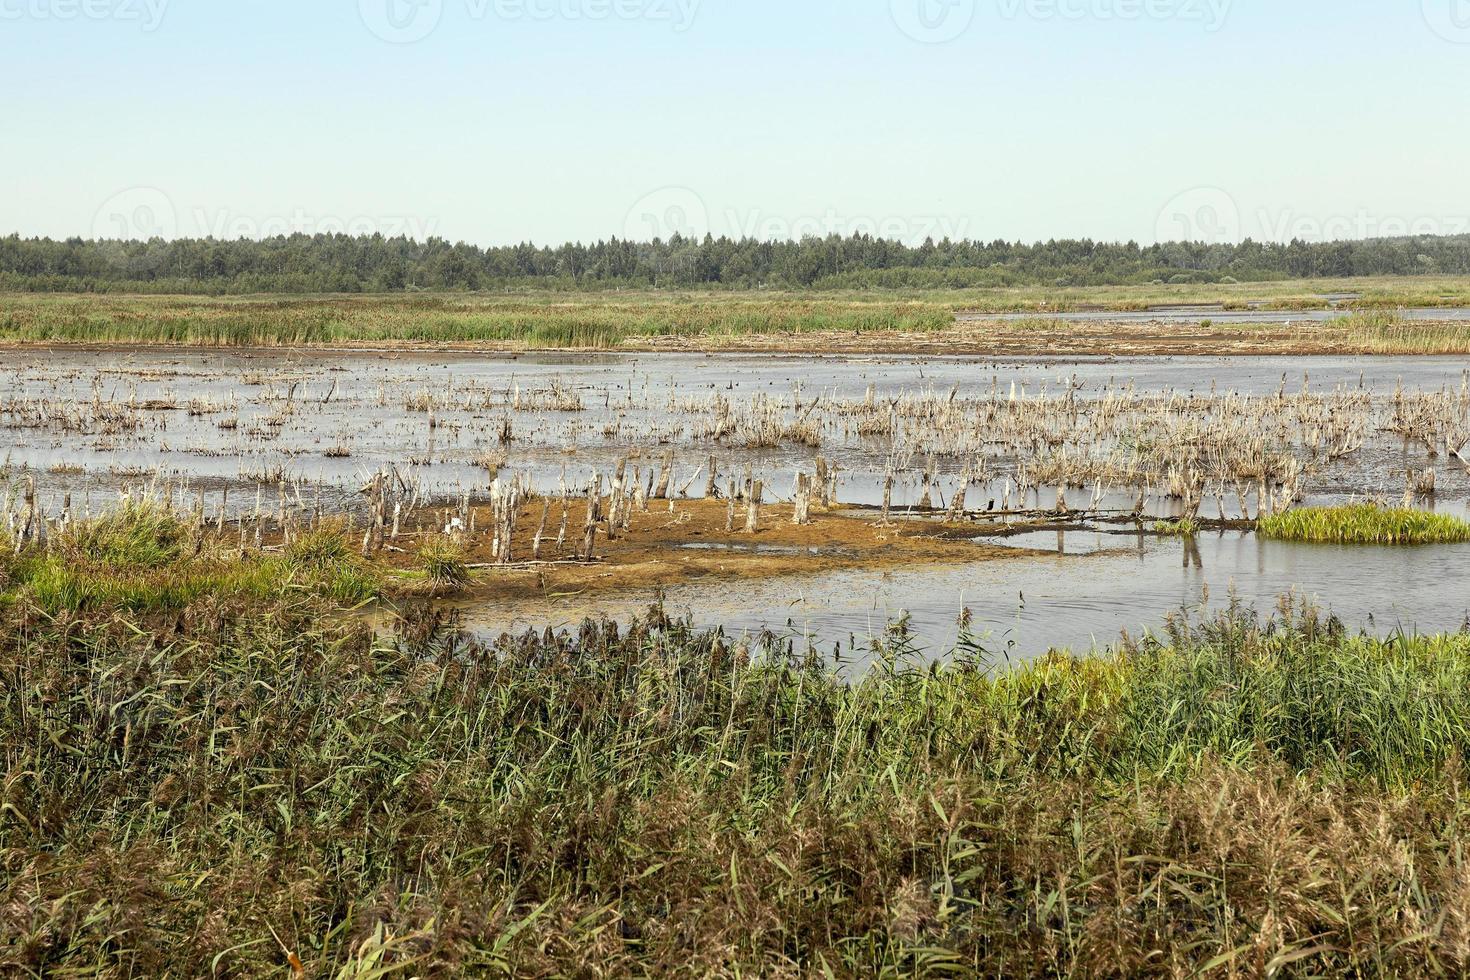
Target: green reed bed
599	320
246	781
1364	524
551	320
145	558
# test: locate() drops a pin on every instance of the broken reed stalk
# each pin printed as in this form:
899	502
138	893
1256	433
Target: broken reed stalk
801	509
594	507
540	530
753	508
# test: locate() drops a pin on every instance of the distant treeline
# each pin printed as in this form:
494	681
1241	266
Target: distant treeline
342	263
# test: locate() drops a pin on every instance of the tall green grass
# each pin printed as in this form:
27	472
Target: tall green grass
1364	524
1386	331
144	558
236	787
444	564
593	321
596	320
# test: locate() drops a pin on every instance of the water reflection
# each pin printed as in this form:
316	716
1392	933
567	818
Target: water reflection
1093	586
1218	314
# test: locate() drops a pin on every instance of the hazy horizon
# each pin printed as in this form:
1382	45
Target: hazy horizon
501	121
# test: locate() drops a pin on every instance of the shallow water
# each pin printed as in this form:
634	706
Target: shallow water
1084	598
1100	584
1196	314
290	410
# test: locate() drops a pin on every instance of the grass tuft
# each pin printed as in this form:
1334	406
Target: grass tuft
142	558
444	564
1364	524
1184	527
138	534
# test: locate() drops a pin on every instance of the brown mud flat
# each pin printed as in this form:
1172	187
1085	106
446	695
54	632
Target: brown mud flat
691	543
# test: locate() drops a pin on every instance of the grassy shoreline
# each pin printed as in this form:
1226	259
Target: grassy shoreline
529	322
550	320
234	780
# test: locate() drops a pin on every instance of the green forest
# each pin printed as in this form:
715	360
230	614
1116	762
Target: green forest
347	264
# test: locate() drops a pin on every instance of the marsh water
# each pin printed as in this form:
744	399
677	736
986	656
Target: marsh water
90	422
328	418
1082	595
1180	315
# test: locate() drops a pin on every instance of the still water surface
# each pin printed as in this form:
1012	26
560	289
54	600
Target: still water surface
1081	598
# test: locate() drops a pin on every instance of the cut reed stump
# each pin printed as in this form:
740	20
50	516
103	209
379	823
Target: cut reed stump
753	508
801	510
594	507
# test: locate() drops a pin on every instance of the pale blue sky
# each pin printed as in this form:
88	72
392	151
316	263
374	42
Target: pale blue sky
511	120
